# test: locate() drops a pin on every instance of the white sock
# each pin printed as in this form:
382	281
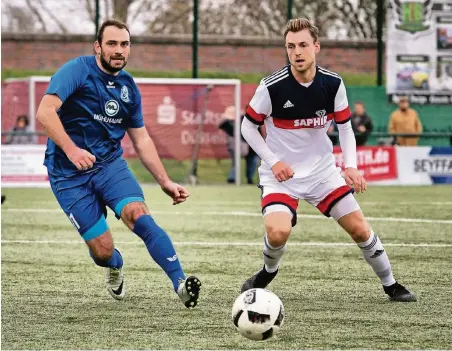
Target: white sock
272	255
376	257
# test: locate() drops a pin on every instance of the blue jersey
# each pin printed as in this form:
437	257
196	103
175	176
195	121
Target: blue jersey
97	110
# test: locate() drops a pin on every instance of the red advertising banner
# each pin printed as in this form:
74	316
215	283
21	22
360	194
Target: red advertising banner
374	162
172	113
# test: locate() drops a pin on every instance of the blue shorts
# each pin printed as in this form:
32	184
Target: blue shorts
85	197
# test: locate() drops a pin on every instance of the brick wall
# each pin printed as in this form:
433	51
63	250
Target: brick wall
174	53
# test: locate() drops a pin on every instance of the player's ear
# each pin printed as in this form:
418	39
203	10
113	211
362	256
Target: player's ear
97	47
317	47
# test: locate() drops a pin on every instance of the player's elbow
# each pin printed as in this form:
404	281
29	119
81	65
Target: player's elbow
42	113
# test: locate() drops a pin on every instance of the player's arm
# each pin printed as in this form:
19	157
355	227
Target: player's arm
147	152
62	85
258	109
347	140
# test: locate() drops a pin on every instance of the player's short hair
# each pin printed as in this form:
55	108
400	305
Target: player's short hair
298	24
110	23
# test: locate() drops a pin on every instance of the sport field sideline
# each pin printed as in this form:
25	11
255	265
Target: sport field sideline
53	296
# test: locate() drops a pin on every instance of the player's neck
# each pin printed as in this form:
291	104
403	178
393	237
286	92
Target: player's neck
306	76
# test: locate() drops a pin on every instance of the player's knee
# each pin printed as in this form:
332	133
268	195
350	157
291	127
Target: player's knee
359	230
277	235
133	211
103	251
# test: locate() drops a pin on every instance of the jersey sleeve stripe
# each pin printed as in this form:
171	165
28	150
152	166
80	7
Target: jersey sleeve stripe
323	70
271	76
277	80
342	116
268	81
253	116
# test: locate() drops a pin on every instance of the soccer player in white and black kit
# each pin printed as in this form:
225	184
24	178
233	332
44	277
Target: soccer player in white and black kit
297	105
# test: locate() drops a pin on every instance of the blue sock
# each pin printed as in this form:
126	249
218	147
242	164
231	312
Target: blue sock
160	247
115	260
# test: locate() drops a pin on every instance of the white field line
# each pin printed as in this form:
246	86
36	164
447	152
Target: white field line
246	214
257	203
219	243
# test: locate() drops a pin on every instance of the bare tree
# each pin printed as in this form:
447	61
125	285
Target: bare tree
174	17
121	9
336	19
359	18
16	19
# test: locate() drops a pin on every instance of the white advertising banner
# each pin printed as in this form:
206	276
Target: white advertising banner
424	165
419	51
22	166
418	165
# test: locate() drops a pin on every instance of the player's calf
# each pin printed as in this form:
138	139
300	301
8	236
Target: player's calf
278	225
103	253
159	245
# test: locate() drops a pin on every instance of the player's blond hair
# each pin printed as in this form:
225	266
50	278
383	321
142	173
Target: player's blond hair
298	24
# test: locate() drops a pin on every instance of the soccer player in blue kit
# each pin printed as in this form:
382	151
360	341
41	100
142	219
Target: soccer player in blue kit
88	106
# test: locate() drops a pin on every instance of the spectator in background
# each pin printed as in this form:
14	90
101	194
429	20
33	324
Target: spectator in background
361	123
405	120
18	133
227	125
332	129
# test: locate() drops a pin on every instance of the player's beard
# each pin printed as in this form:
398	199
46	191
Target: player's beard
107	66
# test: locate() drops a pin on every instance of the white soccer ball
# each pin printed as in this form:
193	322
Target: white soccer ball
258	314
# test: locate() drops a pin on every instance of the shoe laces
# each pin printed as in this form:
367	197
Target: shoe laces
114	275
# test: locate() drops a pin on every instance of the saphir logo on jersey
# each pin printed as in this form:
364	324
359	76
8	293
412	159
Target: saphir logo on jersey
111	108
320	113
314	122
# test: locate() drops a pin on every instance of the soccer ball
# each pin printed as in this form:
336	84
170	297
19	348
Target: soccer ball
258	314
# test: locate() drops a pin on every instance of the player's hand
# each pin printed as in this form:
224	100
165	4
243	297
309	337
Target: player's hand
177	192
354	178
82	159
282	171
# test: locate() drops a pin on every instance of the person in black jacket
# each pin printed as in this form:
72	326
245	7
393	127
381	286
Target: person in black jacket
361	123
227	125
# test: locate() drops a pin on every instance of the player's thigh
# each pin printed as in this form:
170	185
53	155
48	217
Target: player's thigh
279	209
118	187
351	218
80	203
326	193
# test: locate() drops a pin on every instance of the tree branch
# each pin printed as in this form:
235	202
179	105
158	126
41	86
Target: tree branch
35	11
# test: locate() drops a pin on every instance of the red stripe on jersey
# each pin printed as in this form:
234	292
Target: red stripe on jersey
341	116
258	117
330	200
301	123
279	198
